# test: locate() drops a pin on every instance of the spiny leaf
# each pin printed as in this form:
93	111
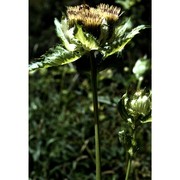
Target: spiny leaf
109	50
120	42
136	31
54	57
87	40
120	30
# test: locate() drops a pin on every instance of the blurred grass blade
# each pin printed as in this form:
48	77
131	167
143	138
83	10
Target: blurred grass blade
54	57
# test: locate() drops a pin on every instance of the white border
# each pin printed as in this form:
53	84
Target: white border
166	90
14	90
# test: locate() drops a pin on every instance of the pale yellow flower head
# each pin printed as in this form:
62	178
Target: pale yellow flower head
92	17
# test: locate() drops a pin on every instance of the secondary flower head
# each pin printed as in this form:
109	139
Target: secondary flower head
135	105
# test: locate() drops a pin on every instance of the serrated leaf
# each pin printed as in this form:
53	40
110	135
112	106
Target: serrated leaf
87	40
120	30
56	56
119	44
116	49
136	31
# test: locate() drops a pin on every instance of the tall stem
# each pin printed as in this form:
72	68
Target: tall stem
128	168
96	117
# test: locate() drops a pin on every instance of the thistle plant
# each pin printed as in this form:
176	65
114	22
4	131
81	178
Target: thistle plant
85	30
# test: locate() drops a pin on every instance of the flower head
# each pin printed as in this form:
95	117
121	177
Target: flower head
110	13
86	29
90	16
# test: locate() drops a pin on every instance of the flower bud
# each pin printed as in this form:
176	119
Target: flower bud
141	66
136	105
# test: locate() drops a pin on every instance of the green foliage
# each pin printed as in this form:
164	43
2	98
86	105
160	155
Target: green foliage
55	56
62	129
87	40
120	39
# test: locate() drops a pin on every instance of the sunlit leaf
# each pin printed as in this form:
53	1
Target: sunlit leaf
87	40
54	57
136	31
120	31
119	43
61	34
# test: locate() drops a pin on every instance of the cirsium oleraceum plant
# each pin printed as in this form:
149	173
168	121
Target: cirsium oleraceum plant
88	30
84	29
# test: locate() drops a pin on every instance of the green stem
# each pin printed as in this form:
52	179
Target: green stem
128	168
96	117
139	83
131	153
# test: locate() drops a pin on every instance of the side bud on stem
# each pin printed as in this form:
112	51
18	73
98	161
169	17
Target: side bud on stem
136	106
135	109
